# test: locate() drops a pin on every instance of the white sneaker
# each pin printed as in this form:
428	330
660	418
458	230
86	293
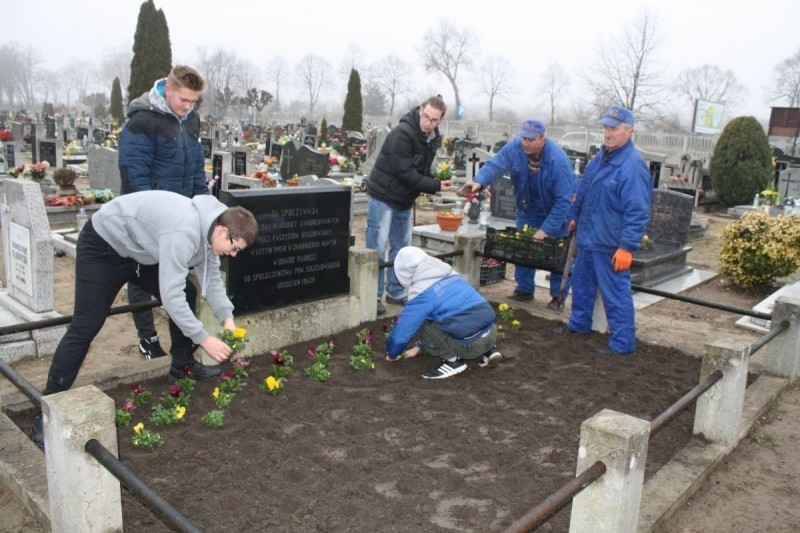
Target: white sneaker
490	358
446	369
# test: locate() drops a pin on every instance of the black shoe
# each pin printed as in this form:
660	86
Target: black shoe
446	369
611	351
151	348
195	371
396	301
381	309
37	431
521	296
490	358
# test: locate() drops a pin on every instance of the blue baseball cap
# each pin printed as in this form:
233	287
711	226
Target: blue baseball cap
616	115
531	129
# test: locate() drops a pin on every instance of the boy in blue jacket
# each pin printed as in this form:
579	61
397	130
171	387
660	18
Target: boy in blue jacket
452	320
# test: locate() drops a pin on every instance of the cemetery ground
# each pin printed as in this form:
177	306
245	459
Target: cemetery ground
388	451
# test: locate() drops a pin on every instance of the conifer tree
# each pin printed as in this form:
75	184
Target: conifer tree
152	51
742	162
116	110
353	104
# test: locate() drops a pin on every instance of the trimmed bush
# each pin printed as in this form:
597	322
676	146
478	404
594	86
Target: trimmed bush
757	249
742	162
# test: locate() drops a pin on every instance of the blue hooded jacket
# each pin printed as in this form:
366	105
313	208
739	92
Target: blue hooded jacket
158	150
555	190
613	204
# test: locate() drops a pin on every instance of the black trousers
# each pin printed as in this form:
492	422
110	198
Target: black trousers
99	275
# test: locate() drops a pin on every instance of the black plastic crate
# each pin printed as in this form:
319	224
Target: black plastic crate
509	245
492	271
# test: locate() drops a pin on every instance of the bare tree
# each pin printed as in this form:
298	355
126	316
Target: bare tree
19	64
219	68
393	76
446	50
277	72
47	83
626	72
353	59
75	78
553	85
8	74
496	76
116	63
246	78
711	83
311	75
786	82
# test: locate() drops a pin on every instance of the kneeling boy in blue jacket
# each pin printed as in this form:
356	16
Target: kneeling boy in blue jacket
451	319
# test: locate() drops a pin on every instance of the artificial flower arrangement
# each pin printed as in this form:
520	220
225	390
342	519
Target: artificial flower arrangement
443	171
6	136
32	171
447	142
769	197
484	194
262	173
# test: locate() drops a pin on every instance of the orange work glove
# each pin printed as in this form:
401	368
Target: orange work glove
622	260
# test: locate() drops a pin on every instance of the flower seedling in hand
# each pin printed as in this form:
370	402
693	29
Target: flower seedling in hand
236	339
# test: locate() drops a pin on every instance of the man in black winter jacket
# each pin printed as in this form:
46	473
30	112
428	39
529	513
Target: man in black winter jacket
402	171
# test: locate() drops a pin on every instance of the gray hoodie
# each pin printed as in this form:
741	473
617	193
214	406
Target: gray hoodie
165	228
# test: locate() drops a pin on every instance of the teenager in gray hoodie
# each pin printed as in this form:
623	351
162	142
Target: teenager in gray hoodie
152	239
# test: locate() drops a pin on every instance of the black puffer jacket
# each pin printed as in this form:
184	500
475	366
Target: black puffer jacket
403	168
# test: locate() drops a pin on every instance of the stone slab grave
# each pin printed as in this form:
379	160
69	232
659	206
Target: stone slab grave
301	254
103	165
303	161
766	305
28	258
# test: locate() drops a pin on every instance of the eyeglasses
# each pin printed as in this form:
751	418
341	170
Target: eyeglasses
428	118
234	248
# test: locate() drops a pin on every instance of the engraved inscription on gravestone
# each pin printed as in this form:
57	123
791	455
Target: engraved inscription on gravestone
670	218
301	252
275	150
11	160
289	160
49	128
240	163
312	162
206	142
503	201
20	258
47	152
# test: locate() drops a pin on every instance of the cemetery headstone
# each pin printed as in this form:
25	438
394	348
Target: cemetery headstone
477	158
275	150
27	245
81	132
289	160
207	145
34	147
463	147
239	162
12	154
50	128
99	135
48	151
310	141
503	202
301	253
103	168
219	162
789	183
310	161
17	131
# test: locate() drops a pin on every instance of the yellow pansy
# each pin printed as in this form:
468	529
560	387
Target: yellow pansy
272	383
515	324
502	307
138	428
180	411
239	333
215	394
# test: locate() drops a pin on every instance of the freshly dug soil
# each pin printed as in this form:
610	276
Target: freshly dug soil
386	450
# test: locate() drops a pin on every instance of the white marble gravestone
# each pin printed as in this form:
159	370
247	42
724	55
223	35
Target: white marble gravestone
28	255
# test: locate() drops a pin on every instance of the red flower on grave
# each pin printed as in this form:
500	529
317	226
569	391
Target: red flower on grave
175	390
128	406
227	375
276	357
137	389
312	351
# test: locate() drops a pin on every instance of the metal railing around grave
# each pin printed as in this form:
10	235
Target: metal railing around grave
100	453
542	512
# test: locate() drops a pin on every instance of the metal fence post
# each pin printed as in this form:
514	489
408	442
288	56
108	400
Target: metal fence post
84	496
611	503
719	410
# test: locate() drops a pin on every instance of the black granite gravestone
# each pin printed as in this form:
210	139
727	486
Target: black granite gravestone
216	174
207	144
275	150
47	152
239	162
289	160
50	128
11	160
668	229
462	149
81	132
311	162
33	140
99	135
310	141
503	202
301	253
